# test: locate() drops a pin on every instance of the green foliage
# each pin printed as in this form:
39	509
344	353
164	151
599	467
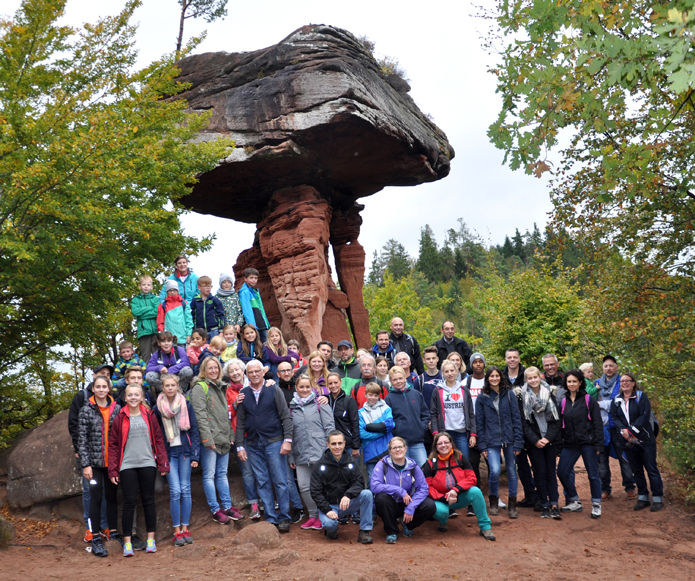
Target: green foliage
429	261
394	258
210	10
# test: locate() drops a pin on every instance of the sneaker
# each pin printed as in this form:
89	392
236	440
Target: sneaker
501	504
137	543
407	532
255	512
297	516
528	502
470	511
128	550
545	513
391	539
343	520
309	524
187	537
596	510
640	504
87	536
98	548
283	526
179	540
631	494
555	513
453	514
116	536
317	525
443	527
355	519
277	507
538	507
151	547
233	513
221	517
574	506
489	535
105	535
364	537
332	535
656	507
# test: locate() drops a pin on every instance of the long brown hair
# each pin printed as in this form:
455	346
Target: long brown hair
257	345
437	437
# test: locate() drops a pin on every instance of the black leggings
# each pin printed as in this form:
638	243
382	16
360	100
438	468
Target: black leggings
389	509
132	480
101	480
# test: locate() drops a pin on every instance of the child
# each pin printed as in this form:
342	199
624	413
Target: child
215	349
230	301
174	314
136	453
197	345
376	427
250	346
207	311
182	442
128	359
275	351
252	304
293	346
133	376
168	359
144	308
229	333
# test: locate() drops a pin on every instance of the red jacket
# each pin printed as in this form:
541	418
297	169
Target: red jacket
436	472
118	436
232	394
358	392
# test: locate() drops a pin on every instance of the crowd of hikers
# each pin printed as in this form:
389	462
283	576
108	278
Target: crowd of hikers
213	378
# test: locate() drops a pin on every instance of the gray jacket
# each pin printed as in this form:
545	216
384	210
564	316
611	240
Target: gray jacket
311	425
212	415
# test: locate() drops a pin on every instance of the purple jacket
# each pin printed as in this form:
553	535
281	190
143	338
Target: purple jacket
174	361
410	480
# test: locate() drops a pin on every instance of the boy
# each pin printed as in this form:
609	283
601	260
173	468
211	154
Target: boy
215	349
174	315
252	304
207	311
128	359
230	300
134	376
293	346
144	308
376	427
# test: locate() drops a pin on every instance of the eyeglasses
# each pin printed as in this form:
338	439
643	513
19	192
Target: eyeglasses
284	371
397	447
627	381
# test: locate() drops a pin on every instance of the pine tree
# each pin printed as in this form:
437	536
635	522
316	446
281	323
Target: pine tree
429	262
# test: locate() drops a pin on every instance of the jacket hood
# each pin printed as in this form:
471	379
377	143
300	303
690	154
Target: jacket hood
409	462
394	390
109	400
376	351
174	300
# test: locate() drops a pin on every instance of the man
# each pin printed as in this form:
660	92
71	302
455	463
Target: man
286	381
608	388
348	367
429	382
337	488
449	343
264	428
403	342
367	371
513	371
410	415
384	348
475	383
402	359
552	373
184	277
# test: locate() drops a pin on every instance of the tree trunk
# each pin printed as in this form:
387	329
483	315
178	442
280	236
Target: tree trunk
184	6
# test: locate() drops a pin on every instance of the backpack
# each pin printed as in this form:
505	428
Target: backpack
205	387
587	398
653	422
386	469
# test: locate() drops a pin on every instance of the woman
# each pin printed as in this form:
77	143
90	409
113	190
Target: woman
582	435
182	442
345	414
94	421
499	430
541	422
400	492
460	367
452	484
632	415
382	370
136	453
317	371
209	402
451	409
312	423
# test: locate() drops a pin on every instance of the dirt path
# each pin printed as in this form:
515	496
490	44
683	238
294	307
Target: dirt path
622	545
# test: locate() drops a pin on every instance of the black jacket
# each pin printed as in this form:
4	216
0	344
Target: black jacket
408	344
347	419
531	431
640	411
577	428
458	345
331	480
78	401
287	388
555	380
91	441
519	378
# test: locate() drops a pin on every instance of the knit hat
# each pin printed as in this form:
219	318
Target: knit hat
224	276
477	356
171	285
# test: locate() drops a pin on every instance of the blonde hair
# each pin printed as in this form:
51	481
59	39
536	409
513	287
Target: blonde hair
396	369
219	342
203	372
586	366
452	356
530	370
448	362
145	277
310	372
282	348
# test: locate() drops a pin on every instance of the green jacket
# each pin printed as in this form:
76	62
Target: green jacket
350	374
212	415
144	309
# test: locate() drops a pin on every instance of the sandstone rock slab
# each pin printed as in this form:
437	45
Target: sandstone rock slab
262	535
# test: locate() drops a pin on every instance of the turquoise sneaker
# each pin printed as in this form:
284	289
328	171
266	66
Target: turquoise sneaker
128	549
391	539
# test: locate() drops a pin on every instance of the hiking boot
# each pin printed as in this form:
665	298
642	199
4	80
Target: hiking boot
98	548
528	502
596	510
489	535
391	539
187	537
221	517
574	506
657	506
494	505
179	540
631	494
233	513
555	513
332	535
343	520
255	512
545	513
512	511
283	526
116	536
137	543
297	516
640	504
364	537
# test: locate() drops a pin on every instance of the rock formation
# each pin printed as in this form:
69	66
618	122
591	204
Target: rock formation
317	126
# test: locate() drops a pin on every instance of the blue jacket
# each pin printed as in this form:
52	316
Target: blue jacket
174	361
252	307
259	356
640	412
375	443
498	429
190	440
410	414
207	314
389	355
203	355
187	289
397	483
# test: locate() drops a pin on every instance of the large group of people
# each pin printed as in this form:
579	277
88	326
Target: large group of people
389	432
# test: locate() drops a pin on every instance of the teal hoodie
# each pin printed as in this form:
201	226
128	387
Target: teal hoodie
144	309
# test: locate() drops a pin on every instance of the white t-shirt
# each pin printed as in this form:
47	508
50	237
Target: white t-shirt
476	389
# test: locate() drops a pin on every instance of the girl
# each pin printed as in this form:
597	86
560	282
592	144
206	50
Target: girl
169	358
312	423
382	370
197	345
229	335
632	415
499	431
182	442
230	301
275	352
317	371
376	426
250	346
136	452
541	422
94	421
460	367
582	435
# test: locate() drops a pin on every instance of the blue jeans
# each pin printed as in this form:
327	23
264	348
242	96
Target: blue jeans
417	453
270	469
364	503
179	479
295	499
87	501
215	478
568	458
494	458
248	480
460	441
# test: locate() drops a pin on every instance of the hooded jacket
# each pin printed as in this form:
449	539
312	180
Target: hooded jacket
174	315
118	436
190	439
78	402
207	313
346	419
497	429
439	402
577	428
389	354
350	374
410	414
438	472
212	415
374	444
145	308
332	479
252	307
174	361
397	483
93	438
188	288
358	391
311	424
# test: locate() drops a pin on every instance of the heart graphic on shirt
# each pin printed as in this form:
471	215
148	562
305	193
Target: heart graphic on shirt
456	396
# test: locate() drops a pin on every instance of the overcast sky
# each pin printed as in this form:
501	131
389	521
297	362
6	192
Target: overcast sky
438	45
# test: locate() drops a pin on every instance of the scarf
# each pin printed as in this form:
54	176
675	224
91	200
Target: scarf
537	406
447	457
179	407
226	293
372	413
302	401
606	385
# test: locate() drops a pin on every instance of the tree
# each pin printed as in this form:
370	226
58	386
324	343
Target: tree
394	257
93	157
429	262
211	10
